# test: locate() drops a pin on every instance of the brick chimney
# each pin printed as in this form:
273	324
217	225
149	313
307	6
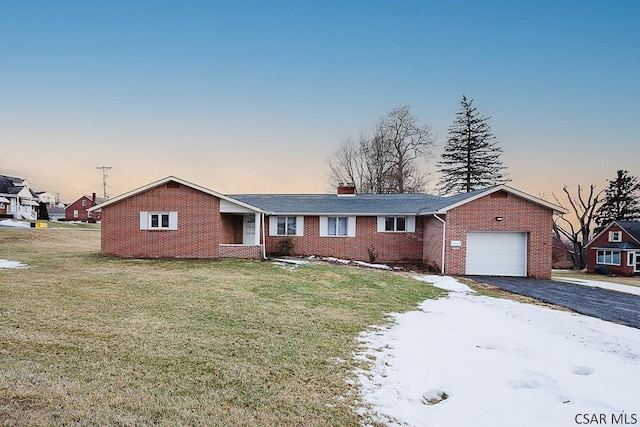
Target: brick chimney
348	189
93	198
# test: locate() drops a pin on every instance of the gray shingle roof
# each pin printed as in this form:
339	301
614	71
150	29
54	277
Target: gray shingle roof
9	185
631	227
362	204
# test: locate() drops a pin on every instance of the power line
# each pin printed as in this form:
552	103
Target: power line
105	169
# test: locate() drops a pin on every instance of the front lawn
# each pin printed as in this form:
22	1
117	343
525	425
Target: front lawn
88	340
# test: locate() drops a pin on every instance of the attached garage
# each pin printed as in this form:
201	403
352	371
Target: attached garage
496	254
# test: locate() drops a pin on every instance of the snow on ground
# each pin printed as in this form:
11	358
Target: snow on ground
497	362
4	263
14	223
599	284
370	265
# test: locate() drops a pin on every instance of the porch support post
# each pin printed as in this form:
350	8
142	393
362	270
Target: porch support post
256	231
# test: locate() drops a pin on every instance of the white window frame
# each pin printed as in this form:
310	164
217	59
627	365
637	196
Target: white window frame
75	213
147	221
89	214
615	236
631	259
299	225
84	203
603	254
326	231
409	223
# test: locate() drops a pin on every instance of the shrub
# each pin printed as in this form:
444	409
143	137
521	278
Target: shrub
373	253
284	247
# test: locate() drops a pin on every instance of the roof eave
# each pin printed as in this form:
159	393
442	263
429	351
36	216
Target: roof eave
155	184
557	210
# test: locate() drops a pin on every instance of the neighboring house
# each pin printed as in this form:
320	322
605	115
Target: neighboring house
17	200
56	213
561	254
617	248
79	210
496	231
47	198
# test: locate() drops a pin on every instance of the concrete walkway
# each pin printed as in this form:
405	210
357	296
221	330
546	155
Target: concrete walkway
605	304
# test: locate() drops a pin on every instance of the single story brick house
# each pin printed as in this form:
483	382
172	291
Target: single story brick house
497	231
617	248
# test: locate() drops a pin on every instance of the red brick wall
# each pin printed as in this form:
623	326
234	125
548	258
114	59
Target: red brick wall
519	215
231	229
197	236
602	241
240	251
392	247
432	248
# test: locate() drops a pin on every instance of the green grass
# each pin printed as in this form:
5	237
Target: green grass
89	340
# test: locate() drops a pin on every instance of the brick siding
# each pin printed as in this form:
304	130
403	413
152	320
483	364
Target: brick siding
241	251
391	247
518	215
432	248
197	236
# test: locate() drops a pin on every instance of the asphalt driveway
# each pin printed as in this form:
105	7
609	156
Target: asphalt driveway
605	304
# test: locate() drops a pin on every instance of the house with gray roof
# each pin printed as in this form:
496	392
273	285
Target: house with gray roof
616	249
496	231
17	200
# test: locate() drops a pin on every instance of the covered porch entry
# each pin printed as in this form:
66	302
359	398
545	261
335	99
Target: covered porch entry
242	232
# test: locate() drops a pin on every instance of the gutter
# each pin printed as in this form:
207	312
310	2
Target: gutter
444	232
264	242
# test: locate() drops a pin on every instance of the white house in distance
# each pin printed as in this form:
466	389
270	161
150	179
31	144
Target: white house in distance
17	200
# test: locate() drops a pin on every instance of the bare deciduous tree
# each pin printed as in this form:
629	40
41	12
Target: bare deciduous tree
388	161
584	210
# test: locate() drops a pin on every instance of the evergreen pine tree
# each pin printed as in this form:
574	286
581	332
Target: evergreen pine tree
43	212
471	159
620	200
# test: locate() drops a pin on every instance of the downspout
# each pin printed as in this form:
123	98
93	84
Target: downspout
264	242
444	232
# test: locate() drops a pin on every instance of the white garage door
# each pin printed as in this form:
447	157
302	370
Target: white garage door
497	254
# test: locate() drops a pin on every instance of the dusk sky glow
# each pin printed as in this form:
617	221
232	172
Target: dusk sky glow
254	97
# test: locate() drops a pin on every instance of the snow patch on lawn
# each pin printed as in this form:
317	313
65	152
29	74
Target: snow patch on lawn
470	360
4	263
635	290
14	223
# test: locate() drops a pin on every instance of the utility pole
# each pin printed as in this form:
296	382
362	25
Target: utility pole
105	169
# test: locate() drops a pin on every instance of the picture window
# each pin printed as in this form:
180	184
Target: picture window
608	257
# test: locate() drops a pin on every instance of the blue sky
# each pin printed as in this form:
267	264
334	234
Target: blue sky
247	96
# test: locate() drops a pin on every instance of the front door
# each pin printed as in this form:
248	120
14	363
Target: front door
637	266
249	230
